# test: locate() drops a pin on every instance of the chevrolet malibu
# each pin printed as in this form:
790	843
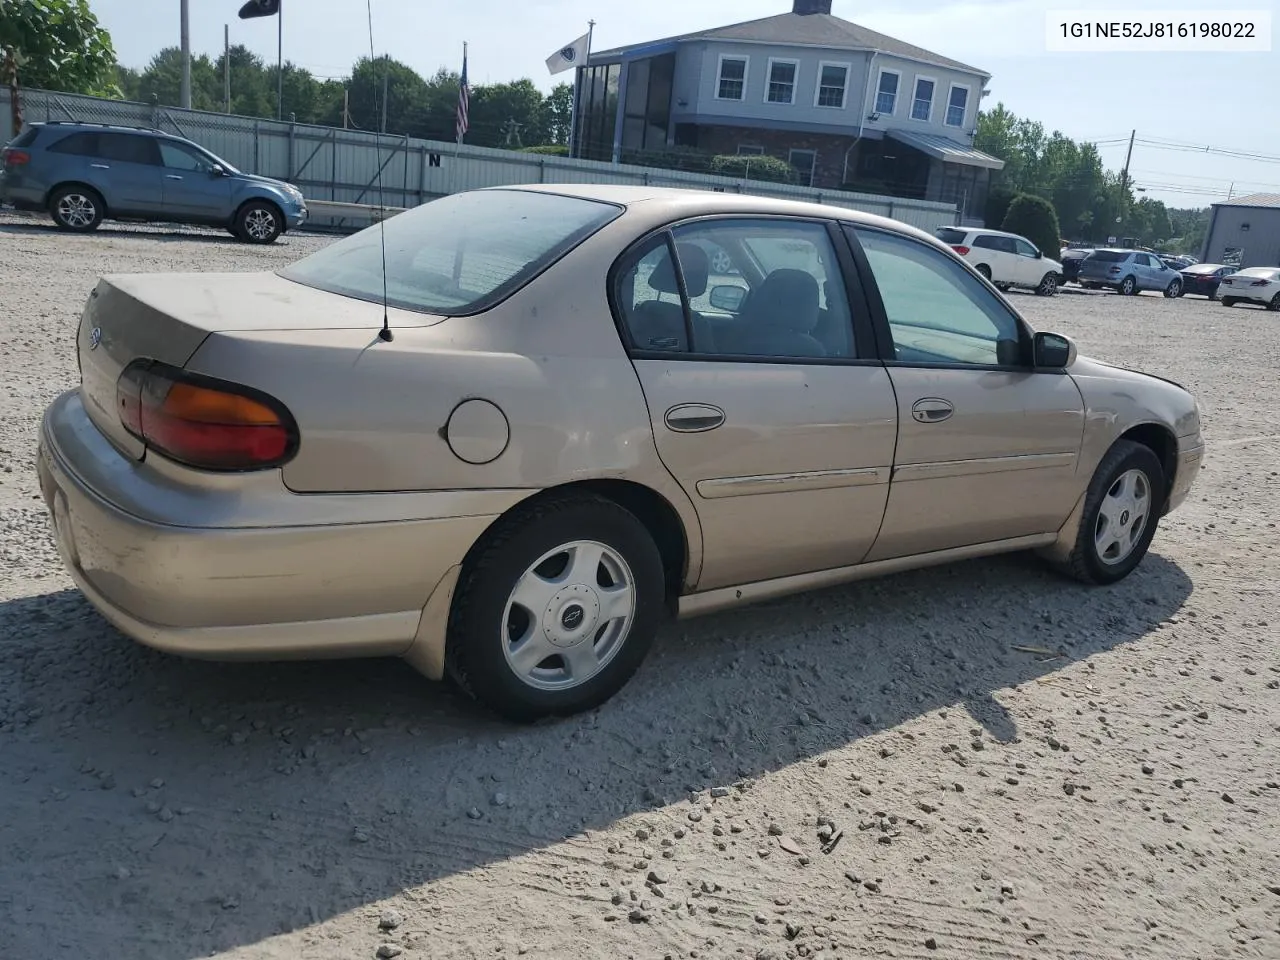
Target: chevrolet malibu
503	435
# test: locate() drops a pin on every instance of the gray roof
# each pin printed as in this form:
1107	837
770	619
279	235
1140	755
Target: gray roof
1252	200
809	30
944	148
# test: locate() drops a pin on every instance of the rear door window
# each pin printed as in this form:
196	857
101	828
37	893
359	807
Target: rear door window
128	148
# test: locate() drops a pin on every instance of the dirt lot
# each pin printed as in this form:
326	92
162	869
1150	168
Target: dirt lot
1118	801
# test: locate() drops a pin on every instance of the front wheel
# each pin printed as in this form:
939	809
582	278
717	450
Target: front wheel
1173	290
1048	285
259	222
1121	512
556	608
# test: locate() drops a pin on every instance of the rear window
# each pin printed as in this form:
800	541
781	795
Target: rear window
456	255
1110	256
1202	268
26	138
948	235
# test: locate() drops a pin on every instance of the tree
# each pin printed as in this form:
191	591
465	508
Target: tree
162	80
59	46
557	113
1034	218
502	112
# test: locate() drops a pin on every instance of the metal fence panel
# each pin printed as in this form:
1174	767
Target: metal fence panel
341	165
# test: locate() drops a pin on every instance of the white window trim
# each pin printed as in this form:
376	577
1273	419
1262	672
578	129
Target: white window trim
813	169
968	99
817	86
897	97
746	73
911	114
768	80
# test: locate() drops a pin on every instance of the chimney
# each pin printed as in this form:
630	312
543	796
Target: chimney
804	8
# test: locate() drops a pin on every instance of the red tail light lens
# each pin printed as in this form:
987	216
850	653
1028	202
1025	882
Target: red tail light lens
15	158
202	422
963	251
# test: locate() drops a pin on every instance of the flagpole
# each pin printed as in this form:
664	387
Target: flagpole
280	62
577	90
457	147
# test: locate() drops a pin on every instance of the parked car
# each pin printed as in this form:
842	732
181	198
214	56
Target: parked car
1129	272
83	173
1260	285
1006	259
295	463
1203	278
1176	263
1071	259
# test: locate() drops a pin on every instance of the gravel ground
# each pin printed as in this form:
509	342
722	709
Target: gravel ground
870	771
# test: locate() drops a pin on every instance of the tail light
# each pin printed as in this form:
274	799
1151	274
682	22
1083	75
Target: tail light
1226	279
203	422
963	251
15	158
1114	270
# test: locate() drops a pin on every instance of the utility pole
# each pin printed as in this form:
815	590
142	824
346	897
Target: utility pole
280	63
185	15
226	66
346	106
1124	183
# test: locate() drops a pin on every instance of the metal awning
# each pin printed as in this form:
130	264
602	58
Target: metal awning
945	149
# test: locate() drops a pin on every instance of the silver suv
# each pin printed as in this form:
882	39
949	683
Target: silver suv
82	173
1129	272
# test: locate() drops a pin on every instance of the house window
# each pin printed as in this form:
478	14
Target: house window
749	150
887	92
833	81
804	162
957	105
732	81
782	81
922	105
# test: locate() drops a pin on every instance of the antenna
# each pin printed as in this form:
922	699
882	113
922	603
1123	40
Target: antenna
385	332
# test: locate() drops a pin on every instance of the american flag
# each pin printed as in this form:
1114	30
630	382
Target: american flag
464	97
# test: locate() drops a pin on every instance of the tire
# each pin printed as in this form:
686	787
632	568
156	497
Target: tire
1048	285
1274	304
1174	290
259	221
1228	301
77	208
983	269
1089	561
1128	287
534	551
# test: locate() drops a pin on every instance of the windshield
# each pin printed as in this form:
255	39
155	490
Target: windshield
214	158
456	255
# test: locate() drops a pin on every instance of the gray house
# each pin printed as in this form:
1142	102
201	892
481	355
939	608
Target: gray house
1244	231
847	107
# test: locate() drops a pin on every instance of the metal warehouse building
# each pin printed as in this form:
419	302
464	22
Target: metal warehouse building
1245	231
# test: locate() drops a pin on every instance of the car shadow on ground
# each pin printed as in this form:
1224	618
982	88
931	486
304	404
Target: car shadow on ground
157	232
227	803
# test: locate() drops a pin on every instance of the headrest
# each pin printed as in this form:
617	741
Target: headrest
696	266
787	298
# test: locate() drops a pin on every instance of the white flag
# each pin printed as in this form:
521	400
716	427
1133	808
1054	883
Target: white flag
566	58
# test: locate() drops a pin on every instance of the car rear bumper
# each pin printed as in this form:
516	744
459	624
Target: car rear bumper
243	589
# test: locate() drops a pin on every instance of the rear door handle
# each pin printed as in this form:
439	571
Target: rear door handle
172	176
932	410
100	166
693	417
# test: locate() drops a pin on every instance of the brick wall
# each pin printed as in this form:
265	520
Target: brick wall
828	170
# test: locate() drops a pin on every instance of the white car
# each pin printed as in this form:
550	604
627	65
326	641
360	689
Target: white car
1006	259
1260	285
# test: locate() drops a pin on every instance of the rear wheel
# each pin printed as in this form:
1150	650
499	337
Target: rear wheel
259	222
1274	304
1173	290
984	270
1228	301
1128	287
76	208
1048	285
1121	512
556	609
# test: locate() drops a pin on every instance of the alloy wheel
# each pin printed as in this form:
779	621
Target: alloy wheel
76	210
568	615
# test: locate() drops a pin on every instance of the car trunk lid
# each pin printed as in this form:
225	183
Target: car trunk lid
166	317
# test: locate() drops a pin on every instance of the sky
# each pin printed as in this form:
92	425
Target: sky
1179	103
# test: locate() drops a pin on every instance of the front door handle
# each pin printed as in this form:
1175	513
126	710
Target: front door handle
100	166
693	417
172	176
932	410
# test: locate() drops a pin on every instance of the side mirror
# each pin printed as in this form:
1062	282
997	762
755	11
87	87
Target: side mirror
217	170
1039	255
1053	351
727	297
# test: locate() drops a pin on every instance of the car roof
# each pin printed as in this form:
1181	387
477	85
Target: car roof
686	202
994	233
79	125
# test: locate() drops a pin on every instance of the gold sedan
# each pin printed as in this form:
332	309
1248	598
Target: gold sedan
503	435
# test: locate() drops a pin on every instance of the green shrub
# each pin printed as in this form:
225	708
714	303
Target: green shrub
549	149
998	201
1034	218
755	167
